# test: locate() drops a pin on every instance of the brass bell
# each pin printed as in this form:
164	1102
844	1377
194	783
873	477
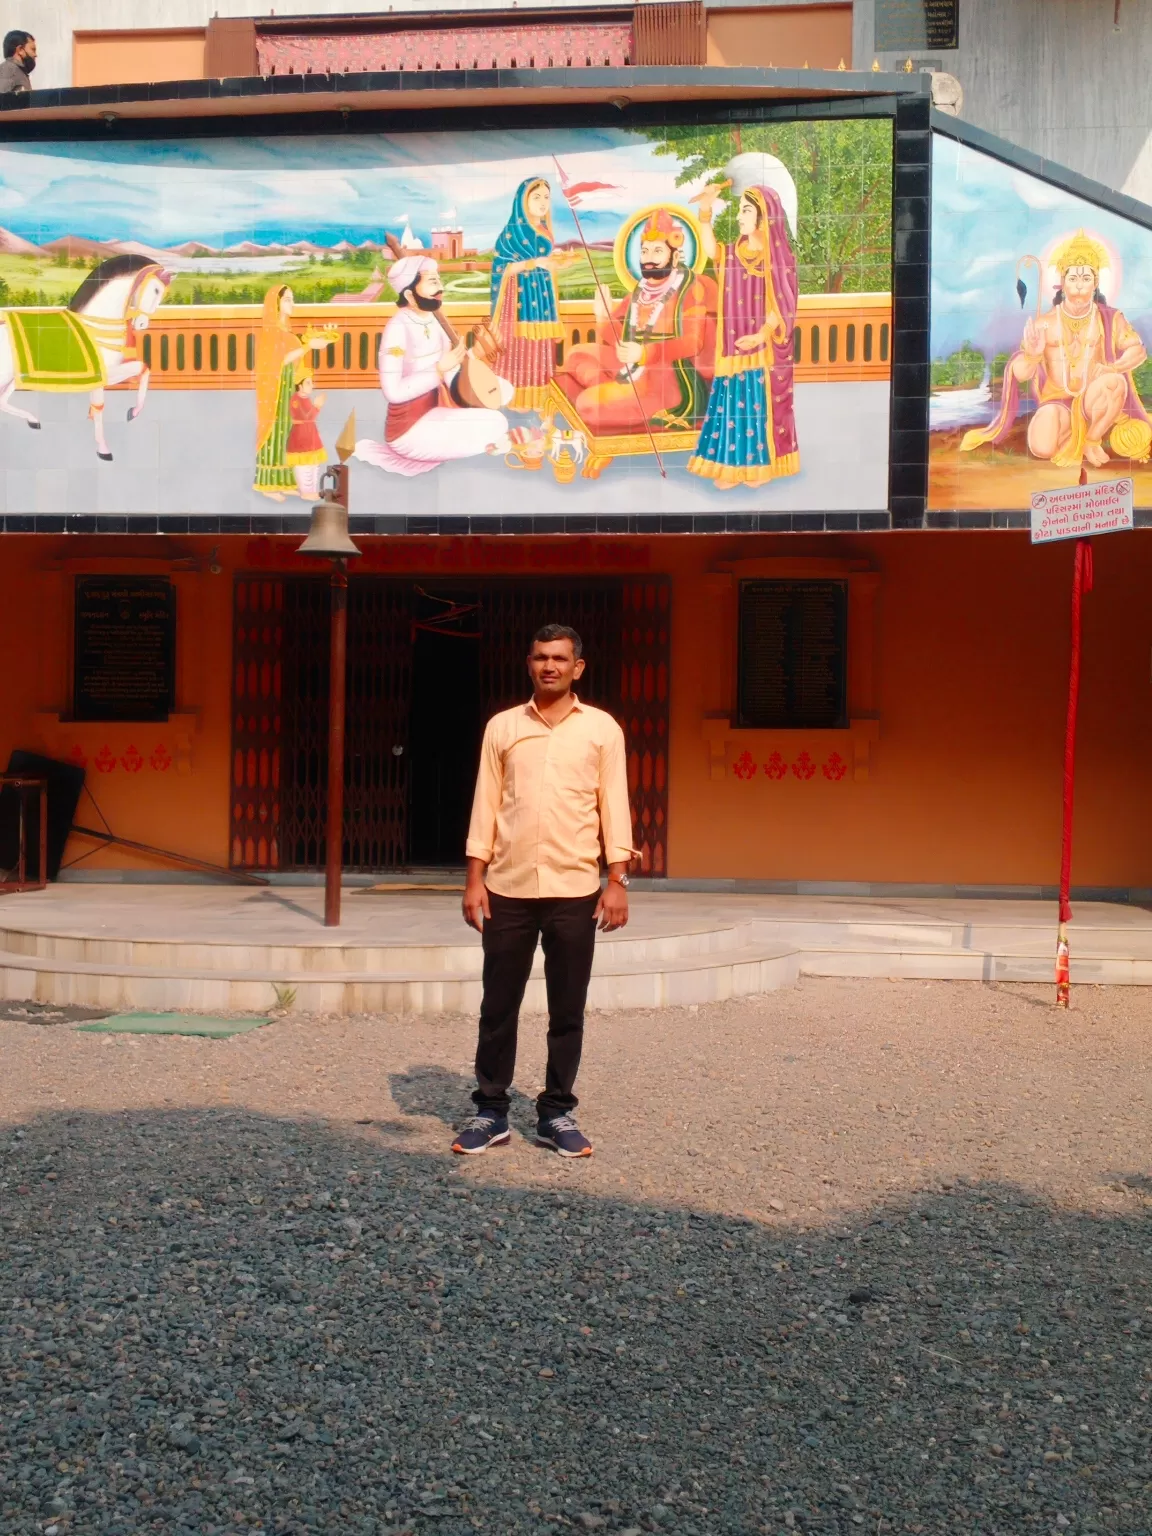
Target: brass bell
328	532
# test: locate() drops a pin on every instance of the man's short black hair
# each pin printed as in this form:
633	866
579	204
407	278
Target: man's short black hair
14	40
560	632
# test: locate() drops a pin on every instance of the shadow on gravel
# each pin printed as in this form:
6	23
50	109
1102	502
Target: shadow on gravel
216	1322
448	1096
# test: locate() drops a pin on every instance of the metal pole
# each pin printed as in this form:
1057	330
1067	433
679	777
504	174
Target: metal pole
1081	583
338	646
44	833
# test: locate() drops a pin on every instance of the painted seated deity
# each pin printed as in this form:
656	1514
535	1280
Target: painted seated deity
644	381
1077	359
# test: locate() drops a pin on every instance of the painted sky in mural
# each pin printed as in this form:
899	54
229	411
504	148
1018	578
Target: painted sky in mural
1041	315
598	320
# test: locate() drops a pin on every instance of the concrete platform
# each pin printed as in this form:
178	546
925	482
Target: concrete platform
212	948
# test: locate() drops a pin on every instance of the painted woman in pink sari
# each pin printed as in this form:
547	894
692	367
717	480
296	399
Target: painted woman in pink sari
749	432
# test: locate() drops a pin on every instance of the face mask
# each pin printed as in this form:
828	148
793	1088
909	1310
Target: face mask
27	64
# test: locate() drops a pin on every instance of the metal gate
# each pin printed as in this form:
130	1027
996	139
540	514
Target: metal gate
280	704
510	614
642	708
378	695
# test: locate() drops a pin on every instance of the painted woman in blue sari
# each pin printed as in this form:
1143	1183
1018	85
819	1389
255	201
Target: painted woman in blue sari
525	311
748	436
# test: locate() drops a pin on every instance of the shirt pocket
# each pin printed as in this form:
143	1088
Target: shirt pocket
575	769
523	773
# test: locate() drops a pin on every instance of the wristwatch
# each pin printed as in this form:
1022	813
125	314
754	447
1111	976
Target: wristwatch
621	880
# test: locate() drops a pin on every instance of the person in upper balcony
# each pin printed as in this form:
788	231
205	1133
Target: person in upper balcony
19	62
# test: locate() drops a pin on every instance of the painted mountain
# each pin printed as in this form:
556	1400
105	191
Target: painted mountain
16	245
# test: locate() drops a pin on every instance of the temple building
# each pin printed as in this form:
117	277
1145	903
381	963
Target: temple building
758	363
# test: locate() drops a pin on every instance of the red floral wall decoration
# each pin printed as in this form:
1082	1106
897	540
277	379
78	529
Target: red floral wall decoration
745	765
160	759
804	768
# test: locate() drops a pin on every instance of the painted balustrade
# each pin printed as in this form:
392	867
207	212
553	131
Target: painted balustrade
837	338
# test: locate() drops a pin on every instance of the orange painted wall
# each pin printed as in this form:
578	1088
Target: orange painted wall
123	58
970	668
970	687
787	36
182	806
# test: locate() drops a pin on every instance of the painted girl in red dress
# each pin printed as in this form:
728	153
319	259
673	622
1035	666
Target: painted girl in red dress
304	449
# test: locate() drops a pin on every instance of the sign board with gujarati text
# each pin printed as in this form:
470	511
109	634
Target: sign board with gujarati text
1081	511
917	24
793	655
125	648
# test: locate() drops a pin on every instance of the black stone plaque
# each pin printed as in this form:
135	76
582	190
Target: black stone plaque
909	24
125	648
793	654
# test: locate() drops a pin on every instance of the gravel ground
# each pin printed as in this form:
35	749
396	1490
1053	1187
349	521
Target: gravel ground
854	1257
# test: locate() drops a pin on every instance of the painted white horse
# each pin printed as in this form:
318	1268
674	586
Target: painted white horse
113	304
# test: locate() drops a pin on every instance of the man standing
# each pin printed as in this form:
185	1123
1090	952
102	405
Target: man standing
552	786
19	62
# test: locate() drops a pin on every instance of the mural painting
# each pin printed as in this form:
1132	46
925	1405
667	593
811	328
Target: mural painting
1041	318
675	319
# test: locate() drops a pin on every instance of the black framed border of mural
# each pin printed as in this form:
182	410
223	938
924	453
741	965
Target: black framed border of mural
911	307
903	99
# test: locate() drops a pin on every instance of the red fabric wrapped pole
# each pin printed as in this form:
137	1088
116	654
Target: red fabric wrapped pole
1081	583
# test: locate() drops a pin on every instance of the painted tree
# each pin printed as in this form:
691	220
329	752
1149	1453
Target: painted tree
843	175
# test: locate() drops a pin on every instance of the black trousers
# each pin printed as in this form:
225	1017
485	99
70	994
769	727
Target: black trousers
565	926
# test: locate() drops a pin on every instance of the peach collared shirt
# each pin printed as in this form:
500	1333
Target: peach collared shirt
545	797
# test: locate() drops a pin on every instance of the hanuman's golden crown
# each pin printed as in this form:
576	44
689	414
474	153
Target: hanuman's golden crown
1080	250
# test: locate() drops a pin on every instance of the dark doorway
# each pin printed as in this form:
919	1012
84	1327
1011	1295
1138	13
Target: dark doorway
445	724
428	664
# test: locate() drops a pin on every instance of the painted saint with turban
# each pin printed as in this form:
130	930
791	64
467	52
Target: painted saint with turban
650	365
1077	359
420	361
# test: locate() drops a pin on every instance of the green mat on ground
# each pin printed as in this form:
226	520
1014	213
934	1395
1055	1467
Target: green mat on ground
171	1024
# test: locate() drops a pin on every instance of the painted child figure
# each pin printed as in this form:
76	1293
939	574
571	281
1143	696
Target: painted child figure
305	449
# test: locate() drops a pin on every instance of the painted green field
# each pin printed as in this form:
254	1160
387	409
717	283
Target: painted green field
28	280
33	280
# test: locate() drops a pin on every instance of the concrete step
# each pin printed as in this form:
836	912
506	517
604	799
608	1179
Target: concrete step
890	963
998	938
622	978
617	982
330	956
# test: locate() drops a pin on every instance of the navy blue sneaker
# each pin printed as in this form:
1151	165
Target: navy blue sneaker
487	1129
563	1135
